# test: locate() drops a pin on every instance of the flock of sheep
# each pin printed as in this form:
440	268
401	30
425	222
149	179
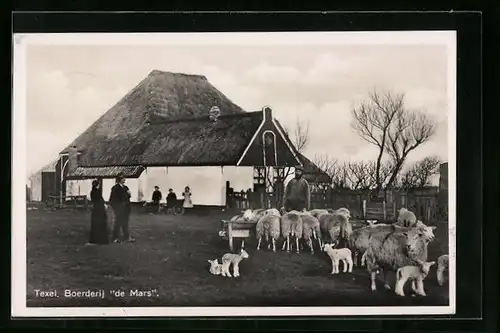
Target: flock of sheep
400	247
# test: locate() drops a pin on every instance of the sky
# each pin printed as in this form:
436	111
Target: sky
69	86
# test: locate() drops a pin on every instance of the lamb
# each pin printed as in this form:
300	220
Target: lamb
390	251
310	230
235	259
268	226
406	218
215	267
442	267
415	274
337	226
253	214
291	226
337	255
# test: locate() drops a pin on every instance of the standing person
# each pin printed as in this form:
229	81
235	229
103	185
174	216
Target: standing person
171	201
98	217
120	202
188	203
157	196
297	195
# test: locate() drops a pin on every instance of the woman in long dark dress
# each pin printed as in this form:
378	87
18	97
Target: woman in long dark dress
98	219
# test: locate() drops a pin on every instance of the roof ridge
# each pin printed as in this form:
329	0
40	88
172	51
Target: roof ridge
160	72
194	119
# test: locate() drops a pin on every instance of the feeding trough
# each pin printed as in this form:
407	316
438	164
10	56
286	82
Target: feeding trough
236	228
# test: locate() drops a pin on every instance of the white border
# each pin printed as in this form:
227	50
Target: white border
18	244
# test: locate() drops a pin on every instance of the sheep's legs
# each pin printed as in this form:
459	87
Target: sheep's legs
274	245
311	245
383	277
355	258
363	259
333	267
236	270
344	263
350	264
373	277
398	288
297	243
420	287
258	245
440	276
414	286
242	243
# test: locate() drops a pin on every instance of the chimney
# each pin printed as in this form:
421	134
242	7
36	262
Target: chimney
268	113
214	113
72	160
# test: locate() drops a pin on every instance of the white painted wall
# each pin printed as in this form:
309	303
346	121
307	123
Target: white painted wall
240	178
36	187
79	187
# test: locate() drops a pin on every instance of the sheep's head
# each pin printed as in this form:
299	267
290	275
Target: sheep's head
344	211
213	263
414	238
426	266
371	223
248	215
244	254
428	231
327	247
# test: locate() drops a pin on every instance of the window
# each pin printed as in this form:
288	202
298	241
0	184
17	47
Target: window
269	151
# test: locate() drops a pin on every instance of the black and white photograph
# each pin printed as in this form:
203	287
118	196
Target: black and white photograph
234	174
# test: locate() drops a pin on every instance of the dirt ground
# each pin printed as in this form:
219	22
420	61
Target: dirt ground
169	260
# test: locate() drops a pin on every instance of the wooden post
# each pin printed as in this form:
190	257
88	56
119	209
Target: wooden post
428	213
230	234
364	209
385	210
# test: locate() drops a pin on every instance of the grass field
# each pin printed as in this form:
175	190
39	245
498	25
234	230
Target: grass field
170	259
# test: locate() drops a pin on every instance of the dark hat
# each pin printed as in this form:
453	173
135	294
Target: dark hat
299	167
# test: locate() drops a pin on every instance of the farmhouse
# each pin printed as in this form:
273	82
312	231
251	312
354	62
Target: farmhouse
43	183
175	130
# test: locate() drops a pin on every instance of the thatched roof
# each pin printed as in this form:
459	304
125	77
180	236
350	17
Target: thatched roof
161	96
106	172
312	173
196	141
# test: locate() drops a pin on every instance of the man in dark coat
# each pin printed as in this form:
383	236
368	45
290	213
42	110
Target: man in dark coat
171	201
157	195
120	203
297	194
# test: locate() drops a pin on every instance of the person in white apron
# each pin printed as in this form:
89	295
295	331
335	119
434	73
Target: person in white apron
187	204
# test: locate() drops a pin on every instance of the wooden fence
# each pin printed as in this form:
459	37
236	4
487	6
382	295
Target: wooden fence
426	203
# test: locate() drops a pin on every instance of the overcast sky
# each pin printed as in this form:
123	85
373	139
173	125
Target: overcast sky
70	86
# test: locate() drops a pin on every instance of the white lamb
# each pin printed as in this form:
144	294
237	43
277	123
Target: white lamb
291	227
442	267
215	267
337	255
268	226
415	274
406	218
235	259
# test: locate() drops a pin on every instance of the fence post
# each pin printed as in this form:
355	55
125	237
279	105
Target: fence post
385	210
364	209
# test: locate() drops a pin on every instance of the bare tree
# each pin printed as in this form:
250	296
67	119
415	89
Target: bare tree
299	135
420	173
334	169
384	121
359	175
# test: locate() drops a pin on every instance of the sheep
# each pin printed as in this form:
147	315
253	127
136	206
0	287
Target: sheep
317	212
442	267
235	259
415	274
291	226
215	267
310	230
337	255
337	226
253	214
406	218
268	226
390	251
